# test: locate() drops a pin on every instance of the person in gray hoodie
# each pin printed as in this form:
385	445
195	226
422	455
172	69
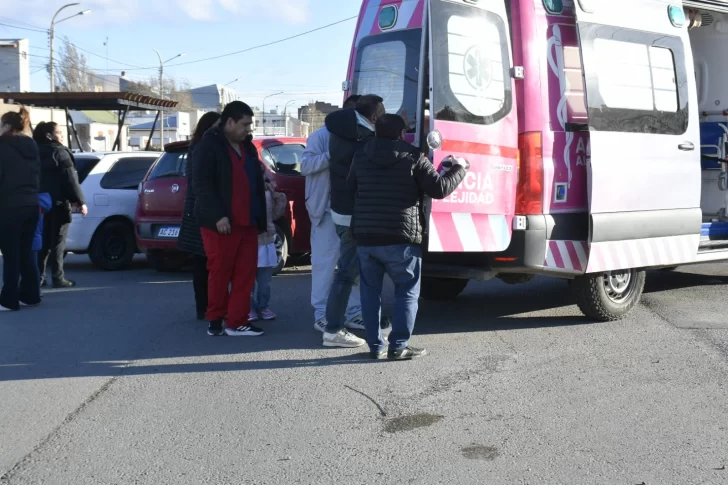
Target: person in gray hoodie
324	241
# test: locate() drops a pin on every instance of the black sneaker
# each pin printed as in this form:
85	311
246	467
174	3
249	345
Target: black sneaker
244	331
380	355
408	353
64	284
216	329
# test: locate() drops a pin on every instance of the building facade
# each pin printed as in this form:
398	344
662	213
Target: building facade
15	65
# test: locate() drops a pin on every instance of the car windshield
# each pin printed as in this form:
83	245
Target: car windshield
170	164
285	159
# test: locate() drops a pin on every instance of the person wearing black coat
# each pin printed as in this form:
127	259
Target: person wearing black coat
349	129
230	207
390	178
60	180
190	237
19	211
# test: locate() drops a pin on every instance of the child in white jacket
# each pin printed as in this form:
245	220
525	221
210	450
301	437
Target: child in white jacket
267	257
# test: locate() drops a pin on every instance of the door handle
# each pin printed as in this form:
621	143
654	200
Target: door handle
686	147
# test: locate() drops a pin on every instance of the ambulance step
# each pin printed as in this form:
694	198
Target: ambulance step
710	245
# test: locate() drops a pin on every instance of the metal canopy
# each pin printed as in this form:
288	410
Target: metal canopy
120	102
89	101
712	5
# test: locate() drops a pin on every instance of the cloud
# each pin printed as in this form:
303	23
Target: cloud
39	12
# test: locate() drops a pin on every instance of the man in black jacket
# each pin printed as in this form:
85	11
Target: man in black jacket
390	178
350	129
231	209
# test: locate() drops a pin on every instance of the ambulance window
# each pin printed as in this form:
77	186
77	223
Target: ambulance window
387	65
651	83
471	65
636	81
381	71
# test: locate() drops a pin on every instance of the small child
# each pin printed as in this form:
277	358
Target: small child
267	257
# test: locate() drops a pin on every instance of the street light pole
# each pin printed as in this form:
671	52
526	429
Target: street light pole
222	92
52	34
161	93
285	115
266	97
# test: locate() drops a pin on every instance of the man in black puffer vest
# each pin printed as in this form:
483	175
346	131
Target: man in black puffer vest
389	178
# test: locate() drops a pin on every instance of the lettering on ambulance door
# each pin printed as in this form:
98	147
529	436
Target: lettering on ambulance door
644	188
473	108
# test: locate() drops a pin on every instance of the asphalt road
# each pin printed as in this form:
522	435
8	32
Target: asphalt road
114	382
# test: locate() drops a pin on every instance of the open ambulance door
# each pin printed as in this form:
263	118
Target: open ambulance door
644	174
473	115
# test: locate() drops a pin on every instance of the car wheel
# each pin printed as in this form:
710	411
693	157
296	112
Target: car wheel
281	243
112	247
442	289
167	261
610	296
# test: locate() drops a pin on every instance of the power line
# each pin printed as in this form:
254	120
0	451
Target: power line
259	46
23	28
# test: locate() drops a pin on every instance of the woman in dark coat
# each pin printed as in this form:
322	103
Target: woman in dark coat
60	180
19	182
190	238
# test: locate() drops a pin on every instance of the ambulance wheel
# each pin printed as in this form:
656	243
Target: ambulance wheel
607	297
441	289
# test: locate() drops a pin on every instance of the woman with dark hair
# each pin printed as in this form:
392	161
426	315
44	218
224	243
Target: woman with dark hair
60	180
19	181
190	238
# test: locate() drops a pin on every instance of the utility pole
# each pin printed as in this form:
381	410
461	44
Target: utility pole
264	113
285	115
52	34
161	93
222	93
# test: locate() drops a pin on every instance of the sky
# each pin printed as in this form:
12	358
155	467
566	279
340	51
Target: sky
308	68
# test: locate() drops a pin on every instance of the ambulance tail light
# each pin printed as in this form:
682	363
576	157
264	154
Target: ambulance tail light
529	192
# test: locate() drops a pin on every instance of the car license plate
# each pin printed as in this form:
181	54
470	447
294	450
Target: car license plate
168	232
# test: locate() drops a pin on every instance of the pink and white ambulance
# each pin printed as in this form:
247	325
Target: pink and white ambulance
597	132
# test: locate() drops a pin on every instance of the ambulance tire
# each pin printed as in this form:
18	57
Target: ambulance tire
441	289
607	297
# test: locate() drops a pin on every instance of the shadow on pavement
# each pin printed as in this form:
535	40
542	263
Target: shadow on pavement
142	315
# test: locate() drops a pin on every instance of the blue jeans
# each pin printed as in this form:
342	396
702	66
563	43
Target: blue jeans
261	290
346	277
403	264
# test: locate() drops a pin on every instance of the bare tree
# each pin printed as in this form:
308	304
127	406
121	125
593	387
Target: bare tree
73	73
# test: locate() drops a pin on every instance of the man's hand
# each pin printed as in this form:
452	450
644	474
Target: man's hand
223	226
84	210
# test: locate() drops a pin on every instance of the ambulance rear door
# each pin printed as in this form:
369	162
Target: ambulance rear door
473	115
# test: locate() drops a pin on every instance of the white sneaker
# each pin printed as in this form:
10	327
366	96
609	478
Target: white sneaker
356	323
343	338
320	325
244	331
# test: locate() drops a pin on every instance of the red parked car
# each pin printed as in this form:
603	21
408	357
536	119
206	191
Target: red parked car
162	194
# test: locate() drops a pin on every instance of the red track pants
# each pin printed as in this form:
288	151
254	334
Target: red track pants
230	259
